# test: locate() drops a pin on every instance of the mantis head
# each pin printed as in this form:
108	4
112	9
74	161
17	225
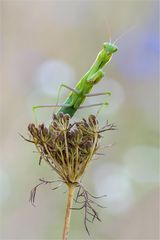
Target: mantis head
110	48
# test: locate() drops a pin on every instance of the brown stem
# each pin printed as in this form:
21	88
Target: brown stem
68	211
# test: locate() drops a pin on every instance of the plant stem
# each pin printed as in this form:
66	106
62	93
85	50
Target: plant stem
68	211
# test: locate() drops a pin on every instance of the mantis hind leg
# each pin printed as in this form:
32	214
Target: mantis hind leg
105	103
34	108
98	94
102	105
68	87
54	105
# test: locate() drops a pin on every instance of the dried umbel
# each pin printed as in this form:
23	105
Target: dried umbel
67	147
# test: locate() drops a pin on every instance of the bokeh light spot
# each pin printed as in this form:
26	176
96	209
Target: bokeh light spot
115	100
142	163
51	74
111	179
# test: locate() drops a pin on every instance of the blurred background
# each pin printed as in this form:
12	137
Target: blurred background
46	43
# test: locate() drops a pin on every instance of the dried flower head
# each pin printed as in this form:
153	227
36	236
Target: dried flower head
66	147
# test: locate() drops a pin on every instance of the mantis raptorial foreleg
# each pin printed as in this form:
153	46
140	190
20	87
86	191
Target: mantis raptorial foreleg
92	79
96	77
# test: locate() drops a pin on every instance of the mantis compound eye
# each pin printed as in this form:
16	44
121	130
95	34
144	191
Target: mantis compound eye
110	48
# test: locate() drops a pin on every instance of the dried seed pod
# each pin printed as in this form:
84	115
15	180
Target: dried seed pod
76	133
45	131
51	130
31	126
41	131
54	117
89	144
41	126
70	134
55	125
92	120
67	117
33	130
60	137
45	134
84	122
60	115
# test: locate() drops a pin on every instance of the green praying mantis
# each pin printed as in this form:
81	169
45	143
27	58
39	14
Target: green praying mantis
83	88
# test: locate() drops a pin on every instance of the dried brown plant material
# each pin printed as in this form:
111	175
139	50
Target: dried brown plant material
68	148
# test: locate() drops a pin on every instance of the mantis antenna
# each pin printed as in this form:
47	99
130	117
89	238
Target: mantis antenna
124	33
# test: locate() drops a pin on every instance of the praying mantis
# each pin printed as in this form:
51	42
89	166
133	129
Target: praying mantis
83	88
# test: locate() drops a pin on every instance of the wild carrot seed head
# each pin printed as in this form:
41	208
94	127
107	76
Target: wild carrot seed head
66	147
